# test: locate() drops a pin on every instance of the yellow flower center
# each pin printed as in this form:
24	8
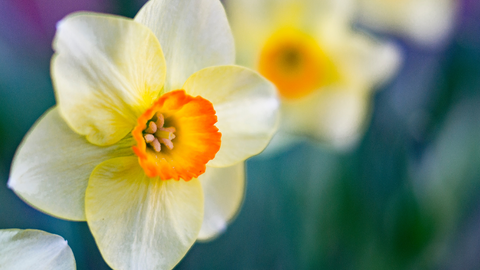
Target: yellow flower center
190	122
295	63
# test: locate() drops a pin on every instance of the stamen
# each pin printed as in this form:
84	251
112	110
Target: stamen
165	133
156	145
160	120
168	129
152	127
155	134
149	138
167	143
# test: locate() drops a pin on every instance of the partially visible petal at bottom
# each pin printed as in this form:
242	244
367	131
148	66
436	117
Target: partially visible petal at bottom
224	190
33	249
140	222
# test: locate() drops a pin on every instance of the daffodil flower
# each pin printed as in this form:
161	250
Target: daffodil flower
34	249
324	71
150	131
427	22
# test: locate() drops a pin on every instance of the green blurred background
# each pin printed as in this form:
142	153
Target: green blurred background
408	197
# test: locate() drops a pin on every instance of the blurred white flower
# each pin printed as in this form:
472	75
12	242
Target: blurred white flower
325	72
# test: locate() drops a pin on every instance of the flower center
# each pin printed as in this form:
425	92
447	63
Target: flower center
155	134
295	63
186	122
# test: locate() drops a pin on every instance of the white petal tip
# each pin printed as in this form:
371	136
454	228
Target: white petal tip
10	183
59	24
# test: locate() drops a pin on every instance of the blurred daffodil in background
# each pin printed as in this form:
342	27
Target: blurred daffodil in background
325	71
426	22
150	131
34	249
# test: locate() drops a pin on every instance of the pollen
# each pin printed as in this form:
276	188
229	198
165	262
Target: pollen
295	63
177	136
155	134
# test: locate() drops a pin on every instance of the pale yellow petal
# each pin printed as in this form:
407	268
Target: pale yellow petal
363	62
224	190
194	34
51	168
140	222
334	116
247	110
33	249
107	70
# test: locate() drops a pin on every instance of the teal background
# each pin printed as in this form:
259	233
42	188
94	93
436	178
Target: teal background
406	198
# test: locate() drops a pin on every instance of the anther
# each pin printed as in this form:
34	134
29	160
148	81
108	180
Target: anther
149	138
160	120
155	134
152	127
168	129
156	145
167	143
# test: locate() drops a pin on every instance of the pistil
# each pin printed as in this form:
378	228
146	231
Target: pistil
155	134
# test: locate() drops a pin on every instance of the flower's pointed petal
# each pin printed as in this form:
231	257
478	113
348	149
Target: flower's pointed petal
247	109
33	249
194	34
51	168
224	190
363	61
106	70
140	222
335	117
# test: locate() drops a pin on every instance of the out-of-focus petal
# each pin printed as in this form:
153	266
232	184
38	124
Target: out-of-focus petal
362	61
246	105
106	70
334	116
368	62
224	190
254	21
427	22
140	222
51	168
33	249
194	34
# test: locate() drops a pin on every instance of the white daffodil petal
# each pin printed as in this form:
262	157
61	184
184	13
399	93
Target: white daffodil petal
364	61
224	190
33	249
334	116
194	34
107	70
246	105
140	222
52	165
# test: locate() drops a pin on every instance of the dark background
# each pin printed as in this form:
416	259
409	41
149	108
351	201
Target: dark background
408	197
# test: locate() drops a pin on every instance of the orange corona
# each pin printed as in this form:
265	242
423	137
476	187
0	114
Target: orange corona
177	136
295	63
